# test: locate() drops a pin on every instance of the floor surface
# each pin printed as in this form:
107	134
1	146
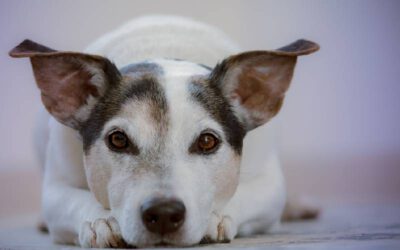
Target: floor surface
344	227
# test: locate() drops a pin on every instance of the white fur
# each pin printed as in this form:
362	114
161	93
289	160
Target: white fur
205	185
164	37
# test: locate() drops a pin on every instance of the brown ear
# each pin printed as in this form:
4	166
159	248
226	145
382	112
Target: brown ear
255	82
70	82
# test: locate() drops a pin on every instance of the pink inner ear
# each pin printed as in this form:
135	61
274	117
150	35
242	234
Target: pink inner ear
256	81
251	88
65	86
260	93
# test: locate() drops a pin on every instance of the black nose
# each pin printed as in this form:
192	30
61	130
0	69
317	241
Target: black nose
163	216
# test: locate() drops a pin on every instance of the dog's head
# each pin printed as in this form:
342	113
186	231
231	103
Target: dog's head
162	139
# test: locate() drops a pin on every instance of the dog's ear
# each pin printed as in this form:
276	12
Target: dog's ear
70	82
255	82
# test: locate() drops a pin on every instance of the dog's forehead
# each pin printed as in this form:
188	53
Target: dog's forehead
163	88
196	99
173	93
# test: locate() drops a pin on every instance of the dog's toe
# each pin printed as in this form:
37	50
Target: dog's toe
87	237
101	233
226	229
221	229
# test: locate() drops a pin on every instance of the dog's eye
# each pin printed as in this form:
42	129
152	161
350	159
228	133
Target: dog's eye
206	143
118	140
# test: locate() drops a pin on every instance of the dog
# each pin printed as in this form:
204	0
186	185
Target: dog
143	138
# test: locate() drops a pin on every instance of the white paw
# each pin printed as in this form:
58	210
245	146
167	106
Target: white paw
101	233
221	229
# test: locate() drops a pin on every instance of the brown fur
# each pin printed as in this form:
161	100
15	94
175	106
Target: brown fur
258	80
64	80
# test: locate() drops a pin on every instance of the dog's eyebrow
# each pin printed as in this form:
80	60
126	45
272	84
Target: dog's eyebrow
145	88
212	100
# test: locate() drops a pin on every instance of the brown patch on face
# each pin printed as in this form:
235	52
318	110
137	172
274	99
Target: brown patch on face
141	88
145	88
226	180
158	113
209	95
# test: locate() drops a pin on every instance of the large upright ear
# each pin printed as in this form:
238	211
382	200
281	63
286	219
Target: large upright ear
70	82
255	82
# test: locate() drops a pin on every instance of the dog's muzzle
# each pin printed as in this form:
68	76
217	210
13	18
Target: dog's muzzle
163	216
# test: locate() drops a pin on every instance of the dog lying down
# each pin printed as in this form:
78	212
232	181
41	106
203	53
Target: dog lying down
144	143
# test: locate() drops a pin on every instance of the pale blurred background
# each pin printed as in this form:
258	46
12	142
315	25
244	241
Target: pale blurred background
340	134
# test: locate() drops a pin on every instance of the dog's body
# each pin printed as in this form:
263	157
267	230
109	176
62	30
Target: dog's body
165	97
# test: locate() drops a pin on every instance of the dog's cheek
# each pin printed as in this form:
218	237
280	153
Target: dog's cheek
210	184
226	178
127	216
118	187
98	173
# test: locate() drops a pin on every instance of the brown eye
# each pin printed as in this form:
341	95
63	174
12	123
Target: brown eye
207	143
117	140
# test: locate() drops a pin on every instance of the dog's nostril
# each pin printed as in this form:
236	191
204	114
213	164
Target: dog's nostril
176	218
151	218
163	216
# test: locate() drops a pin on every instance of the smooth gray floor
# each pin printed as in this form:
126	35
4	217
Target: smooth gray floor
339	227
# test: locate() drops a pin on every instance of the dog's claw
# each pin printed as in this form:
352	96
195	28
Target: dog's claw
101	233
221	229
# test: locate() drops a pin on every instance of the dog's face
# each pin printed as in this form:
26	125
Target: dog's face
157	138
163	138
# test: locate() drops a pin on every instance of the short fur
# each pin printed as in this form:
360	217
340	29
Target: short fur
127	81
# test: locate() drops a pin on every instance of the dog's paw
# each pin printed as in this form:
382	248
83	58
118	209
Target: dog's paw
221	229
300	209
101	233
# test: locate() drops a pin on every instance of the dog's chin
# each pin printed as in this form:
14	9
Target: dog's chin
164	242
178	239
135	233
168	243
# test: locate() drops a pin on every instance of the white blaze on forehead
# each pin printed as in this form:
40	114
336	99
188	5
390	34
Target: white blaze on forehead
186	117
203	182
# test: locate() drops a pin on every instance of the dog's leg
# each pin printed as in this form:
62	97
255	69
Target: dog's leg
300	209
75	217
71	211
40	140
256	206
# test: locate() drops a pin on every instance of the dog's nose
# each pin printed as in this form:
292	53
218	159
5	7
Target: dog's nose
163	216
